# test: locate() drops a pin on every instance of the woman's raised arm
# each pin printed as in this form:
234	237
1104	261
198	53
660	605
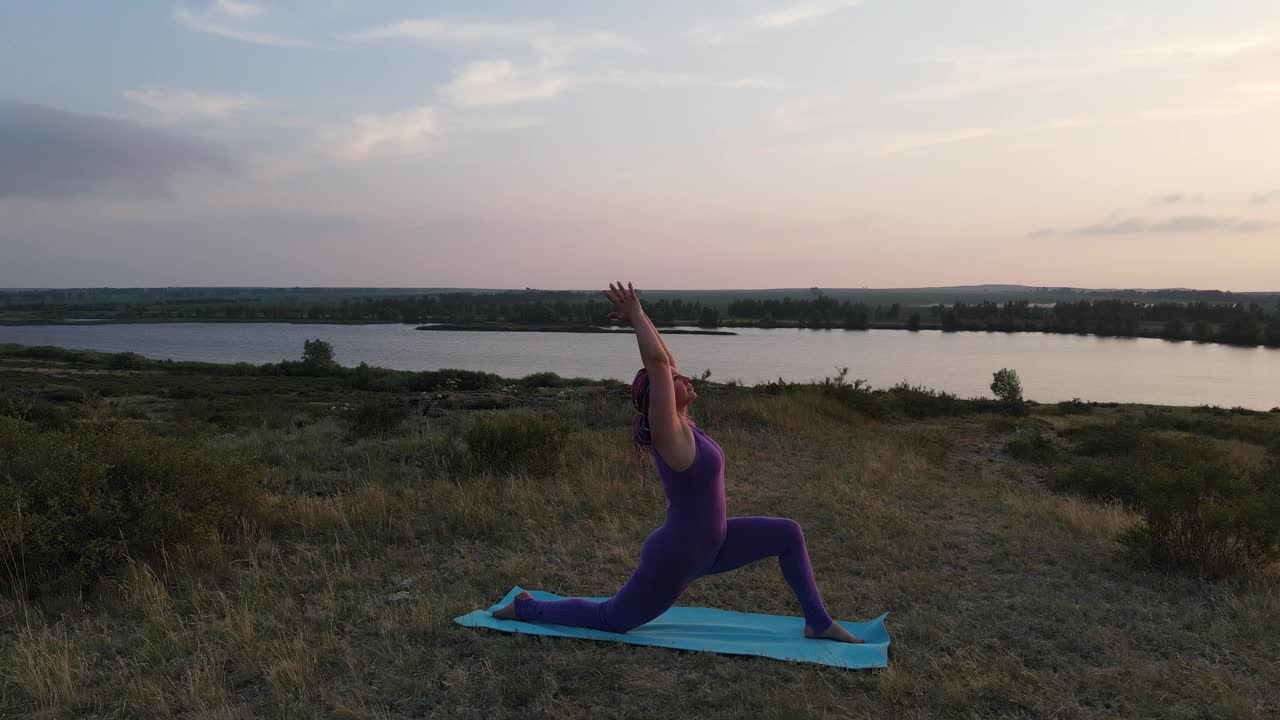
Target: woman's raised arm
652	348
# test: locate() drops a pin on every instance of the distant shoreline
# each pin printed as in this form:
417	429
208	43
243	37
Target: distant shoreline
166	321
512	327
1151	332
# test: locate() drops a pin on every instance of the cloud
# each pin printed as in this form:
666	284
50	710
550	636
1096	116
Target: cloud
1113	21
776	19
1229	102
1042	232
1265	198
237	8
499	82
546	39
867	145
793	14
215	22
645	78
813	111
974	74
1178	199
188	103
1066	123
923	140
52	154
1177	224
1127	226
406	132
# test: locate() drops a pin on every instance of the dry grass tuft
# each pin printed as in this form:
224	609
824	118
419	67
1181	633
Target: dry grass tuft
1103	520
47	667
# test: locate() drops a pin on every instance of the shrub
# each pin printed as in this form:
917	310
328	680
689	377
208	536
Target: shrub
919	401
1201	513
62	393
45	416
1108	440
453	379
543	379
1033	446
517	441
361	377
1074	406
857	395
375	417
1098	478
181	392
1205	516
73	504
126	361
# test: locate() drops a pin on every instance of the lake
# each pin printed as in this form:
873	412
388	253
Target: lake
1052	367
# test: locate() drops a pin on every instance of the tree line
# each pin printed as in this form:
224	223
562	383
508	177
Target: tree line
1237	323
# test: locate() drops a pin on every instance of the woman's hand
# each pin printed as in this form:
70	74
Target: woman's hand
627	301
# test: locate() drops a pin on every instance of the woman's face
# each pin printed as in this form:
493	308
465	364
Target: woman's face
685	393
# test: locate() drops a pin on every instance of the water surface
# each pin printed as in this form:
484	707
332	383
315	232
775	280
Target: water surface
1052	367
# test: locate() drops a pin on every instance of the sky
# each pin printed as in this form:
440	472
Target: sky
677	145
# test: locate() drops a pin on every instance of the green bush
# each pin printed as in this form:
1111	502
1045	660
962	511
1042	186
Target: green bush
453	379
919	401
1106	440
181	392
544	379
1033	446
62	393
75	503
1074	406
53	352
1226	428
857	395
1098	478
1201	513
375	417
126	361
517	441
45	416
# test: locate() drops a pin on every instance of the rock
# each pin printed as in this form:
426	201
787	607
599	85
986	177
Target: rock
403	586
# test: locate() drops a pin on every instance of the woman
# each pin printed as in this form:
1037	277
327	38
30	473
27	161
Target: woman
696	539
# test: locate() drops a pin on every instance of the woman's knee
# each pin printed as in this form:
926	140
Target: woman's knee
792	530
790	527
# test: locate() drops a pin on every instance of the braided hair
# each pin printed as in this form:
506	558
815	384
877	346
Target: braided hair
641	435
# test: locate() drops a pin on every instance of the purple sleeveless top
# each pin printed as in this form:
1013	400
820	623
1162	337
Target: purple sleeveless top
695	495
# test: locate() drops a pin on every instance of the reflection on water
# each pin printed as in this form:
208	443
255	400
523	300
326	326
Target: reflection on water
1052	367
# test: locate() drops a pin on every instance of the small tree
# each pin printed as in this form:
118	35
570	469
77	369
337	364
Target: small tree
913	322
317	354
1007	387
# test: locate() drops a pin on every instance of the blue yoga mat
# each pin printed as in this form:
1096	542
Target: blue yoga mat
720	631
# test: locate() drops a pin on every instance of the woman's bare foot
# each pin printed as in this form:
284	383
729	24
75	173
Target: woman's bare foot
508	611
835	632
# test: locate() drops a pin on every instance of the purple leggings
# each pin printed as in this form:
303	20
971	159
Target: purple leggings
663	575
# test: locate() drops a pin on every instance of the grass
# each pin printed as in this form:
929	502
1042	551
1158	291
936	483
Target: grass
1006	599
